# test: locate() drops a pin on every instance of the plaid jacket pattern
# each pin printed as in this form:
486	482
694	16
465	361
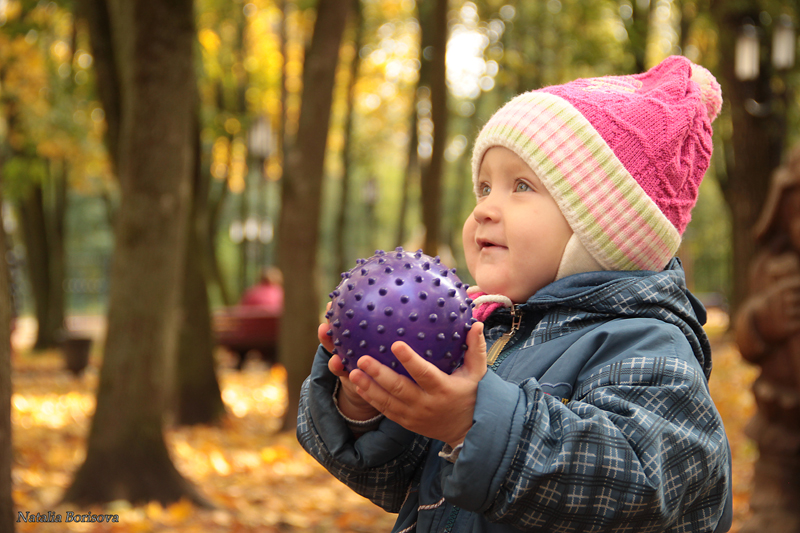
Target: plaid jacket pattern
597	417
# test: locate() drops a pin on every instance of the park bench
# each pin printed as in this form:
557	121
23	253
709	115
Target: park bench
252	325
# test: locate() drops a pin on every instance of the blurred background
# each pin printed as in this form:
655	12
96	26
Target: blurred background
310	134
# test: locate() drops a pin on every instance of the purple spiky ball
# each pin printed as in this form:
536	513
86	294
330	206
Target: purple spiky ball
407	296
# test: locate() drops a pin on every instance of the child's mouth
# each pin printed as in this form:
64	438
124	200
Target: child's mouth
484	244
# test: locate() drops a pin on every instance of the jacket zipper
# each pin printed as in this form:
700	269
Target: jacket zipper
491	358
497	347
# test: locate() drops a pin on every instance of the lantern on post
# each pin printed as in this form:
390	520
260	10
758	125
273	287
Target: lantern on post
747	61
784	43
748	53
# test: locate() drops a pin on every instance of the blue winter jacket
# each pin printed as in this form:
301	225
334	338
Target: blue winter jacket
595	417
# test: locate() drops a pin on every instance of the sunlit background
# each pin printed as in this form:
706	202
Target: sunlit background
492	54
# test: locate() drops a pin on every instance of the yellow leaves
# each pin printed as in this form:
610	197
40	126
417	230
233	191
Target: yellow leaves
233	126
52	411
229	159
258	479
51	148
238	166
60	50
731	386
271	454
180	511
209	39
219	158
174	513
219	463
12	10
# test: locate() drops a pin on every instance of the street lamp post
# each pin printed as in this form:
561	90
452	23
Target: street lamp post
747	61
784	43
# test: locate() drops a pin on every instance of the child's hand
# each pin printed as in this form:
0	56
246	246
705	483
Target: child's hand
438	405
350	403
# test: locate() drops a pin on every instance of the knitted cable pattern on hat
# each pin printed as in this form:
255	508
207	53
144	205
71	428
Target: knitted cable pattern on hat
622	156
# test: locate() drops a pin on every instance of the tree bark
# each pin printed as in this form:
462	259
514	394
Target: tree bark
301	202
198	396
431	175
409	176
56	220
34	235
6	453
755	147
43	235
96	14
127	457
341	260
217	201
638	34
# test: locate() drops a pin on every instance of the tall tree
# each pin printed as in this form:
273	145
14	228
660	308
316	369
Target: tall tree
757	140
127	457
42	212
433	17
298	231
41	203
357	23
198	399
638	26
6	456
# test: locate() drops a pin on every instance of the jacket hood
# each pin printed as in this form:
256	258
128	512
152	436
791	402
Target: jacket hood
592	296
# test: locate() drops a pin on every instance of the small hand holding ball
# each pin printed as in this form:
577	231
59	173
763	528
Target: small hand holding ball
400	296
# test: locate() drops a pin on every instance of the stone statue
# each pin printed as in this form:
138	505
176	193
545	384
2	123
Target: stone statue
768	335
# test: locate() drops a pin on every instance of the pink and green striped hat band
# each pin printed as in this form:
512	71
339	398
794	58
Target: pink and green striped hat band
623	156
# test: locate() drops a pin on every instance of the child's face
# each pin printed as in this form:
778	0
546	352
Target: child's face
516	235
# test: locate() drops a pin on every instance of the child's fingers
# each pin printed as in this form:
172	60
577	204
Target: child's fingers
336	367
382	387
424	373
324	338
475	358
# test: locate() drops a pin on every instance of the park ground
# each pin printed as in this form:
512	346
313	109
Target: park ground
260	480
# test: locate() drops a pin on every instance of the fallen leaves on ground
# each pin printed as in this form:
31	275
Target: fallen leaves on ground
259	479
730	385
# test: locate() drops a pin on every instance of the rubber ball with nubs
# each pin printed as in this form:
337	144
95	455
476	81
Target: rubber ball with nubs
400	296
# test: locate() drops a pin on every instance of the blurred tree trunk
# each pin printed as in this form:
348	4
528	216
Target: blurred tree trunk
126	456
298	232
410	174
342	260
638	27
6	453
198	396
42	212
756	145
688	13
216	204
56	231
433	21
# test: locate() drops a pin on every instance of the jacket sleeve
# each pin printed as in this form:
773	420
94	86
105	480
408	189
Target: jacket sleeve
380	465
639	446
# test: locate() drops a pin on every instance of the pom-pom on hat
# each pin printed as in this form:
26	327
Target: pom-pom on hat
623	156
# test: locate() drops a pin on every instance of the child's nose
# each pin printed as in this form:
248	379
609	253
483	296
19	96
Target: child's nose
488	209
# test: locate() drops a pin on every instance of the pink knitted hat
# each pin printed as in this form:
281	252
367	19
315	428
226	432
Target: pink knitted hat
623	156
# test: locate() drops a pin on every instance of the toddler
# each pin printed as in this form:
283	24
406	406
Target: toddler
591	410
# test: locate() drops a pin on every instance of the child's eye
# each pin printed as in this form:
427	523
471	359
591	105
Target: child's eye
484	189
522	187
